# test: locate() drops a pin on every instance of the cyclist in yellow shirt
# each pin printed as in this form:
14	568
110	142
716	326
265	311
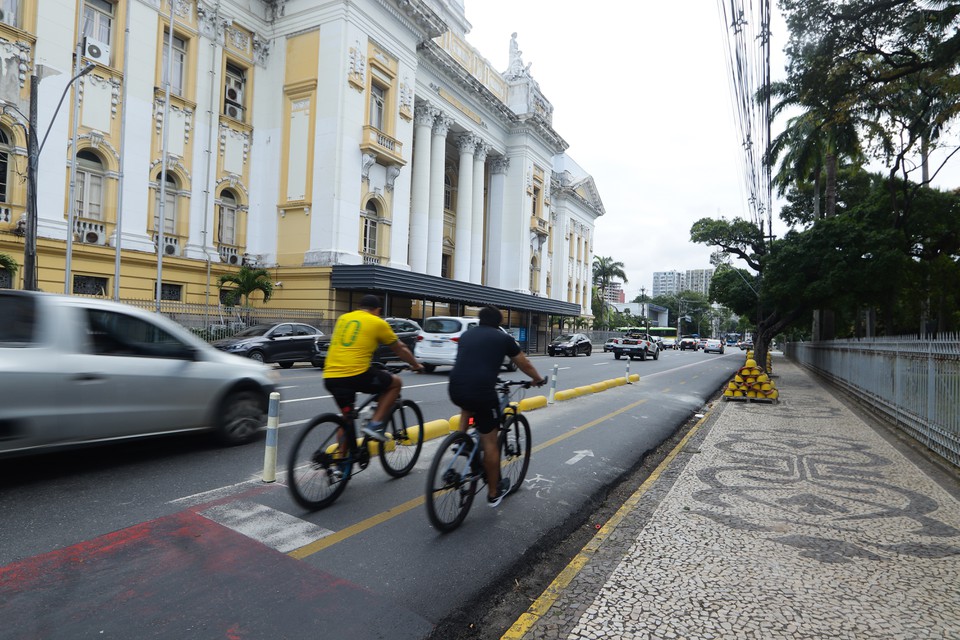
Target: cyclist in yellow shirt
347	369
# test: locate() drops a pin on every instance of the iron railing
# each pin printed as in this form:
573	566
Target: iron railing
914	381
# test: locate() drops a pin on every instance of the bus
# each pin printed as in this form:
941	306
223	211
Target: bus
666	335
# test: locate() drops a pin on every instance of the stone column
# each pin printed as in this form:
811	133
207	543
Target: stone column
498	178
476	235
437	165
466	144
420	179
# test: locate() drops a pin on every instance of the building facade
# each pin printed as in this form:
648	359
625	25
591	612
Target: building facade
667	283
698	280
345	146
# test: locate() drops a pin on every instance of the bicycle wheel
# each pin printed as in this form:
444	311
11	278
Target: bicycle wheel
514	442
405	427
451	484
319	465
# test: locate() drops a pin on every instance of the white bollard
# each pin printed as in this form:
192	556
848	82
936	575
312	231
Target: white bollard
627	376
553	384
270	453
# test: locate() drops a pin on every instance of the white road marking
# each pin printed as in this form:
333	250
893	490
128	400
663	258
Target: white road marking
215	494
276	529
580	456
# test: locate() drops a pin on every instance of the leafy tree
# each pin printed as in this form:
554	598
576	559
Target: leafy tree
7	263
245	282
605	269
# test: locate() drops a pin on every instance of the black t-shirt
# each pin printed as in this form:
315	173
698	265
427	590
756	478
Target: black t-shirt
479	357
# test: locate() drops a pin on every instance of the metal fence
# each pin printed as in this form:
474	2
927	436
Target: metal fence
916	382
212	322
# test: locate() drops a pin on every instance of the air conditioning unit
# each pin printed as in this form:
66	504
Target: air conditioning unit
235	112
234	259
92	236
96	51
169	249
234	94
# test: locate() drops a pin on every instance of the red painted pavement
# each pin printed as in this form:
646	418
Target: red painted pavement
184	576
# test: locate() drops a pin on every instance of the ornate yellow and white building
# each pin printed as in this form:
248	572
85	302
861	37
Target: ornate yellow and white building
344	145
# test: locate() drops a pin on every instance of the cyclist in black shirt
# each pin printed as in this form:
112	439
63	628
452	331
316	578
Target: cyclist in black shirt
473	388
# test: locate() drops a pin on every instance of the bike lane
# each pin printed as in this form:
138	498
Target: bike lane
185	575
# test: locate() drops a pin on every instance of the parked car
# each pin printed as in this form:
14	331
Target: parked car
608	345
688	342
283	342
570	344
78	371
407	331
713	346
437	342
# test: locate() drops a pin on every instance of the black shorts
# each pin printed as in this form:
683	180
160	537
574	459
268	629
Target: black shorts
344	390
485	406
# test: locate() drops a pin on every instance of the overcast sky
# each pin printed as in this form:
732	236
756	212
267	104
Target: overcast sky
641	94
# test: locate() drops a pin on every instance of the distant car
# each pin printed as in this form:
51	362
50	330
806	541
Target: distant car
82	371
701	343
608	345
283	342
713	346
668	343
746	345
687	342
570	344
438	341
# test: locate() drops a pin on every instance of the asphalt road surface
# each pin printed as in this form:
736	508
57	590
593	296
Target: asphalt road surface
175	536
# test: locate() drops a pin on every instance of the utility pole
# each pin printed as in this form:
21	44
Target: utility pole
33	155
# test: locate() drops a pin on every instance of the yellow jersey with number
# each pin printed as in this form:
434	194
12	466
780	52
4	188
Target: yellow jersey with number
355	337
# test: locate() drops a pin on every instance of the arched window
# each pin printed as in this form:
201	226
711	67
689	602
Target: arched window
89	187
170	207
6	154
448	193
368	233
228	218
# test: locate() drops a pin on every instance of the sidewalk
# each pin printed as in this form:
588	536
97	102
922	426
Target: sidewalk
790	520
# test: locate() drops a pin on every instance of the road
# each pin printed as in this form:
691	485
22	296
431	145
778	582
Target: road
386	570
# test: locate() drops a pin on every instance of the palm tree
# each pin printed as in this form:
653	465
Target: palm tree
246	281
7	263
605	269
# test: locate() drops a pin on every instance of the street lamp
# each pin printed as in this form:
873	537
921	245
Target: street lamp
33	158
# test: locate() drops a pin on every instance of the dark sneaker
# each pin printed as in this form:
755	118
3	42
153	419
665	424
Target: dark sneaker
503	488
375	431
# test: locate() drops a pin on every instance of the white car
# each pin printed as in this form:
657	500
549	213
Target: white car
78	371
437	342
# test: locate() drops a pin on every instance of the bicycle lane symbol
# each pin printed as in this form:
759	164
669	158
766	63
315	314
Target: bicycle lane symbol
541	485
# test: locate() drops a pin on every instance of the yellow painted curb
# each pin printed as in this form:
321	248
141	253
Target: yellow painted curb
436	429
634	377
598	386
533	402
616	382
585	390
566	394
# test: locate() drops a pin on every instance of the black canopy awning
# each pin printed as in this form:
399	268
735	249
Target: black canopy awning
373	278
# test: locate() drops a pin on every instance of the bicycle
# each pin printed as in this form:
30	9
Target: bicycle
327	452
457	467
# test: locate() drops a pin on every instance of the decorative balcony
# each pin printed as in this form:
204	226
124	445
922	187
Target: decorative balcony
90	232
388	151
369	258
229	255
539	226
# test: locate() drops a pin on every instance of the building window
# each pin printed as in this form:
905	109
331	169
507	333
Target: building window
10	12
228	219
234	82
98	20
170	291
90	285
179	62
378	101
445	266
89	187
170	207
6	152
370	221
448	202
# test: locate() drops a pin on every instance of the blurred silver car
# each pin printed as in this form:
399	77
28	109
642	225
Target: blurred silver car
80	371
